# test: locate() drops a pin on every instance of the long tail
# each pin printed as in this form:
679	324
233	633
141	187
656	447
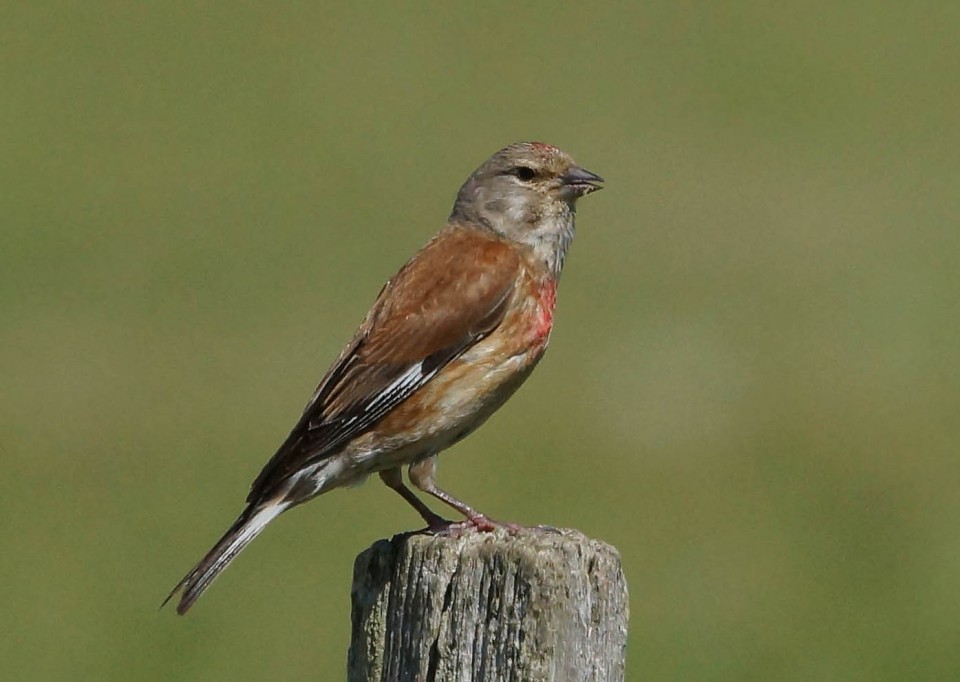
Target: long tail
253	520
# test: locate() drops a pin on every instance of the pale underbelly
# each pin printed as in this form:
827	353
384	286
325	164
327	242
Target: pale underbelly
443	412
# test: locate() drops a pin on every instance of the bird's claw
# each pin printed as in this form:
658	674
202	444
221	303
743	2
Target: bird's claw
476	523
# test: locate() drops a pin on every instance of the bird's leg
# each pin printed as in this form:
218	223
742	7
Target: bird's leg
422	474
394	481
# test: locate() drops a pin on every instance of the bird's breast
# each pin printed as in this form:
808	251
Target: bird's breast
473	386
542	322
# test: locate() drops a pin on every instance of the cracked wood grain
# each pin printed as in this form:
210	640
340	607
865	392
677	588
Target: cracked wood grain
532	605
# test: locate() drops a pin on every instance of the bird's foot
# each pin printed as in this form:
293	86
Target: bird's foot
479	523
483	523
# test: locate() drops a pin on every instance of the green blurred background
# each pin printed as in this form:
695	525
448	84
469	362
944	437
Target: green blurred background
752	389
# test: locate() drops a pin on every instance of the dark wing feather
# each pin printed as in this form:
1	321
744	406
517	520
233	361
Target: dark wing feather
449	296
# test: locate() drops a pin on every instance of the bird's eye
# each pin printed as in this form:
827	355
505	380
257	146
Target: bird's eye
524	173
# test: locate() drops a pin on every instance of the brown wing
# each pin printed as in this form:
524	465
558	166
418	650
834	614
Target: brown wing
449	296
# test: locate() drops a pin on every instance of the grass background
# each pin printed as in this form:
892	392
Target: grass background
752	390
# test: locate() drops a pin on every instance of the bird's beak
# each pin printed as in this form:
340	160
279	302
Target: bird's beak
579	181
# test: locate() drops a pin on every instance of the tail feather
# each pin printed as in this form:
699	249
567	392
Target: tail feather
240	534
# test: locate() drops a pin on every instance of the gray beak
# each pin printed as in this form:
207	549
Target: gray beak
579	181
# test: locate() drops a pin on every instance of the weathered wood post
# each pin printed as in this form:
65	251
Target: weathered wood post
536	604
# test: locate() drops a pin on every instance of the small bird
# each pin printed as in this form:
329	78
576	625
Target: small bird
448	340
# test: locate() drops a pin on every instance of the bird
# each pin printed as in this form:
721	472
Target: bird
448	340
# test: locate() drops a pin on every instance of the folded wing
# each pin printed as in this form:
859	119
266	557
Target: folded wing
449	296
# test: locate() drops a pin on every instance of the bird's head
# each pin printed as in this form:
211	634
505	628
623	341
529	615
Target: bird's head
527	192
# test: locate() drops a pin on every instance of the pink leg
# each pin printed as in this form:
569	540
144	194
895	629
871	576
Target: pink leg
394	481
422	476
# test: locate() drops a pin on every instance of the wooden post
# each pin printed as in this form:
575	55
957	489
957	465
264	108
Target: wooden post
537	604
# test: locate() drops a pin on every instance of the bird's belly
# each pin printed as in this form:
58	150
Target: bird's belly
458	400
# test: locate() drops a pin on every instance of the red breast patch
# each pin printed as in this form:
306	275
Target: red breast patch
545	304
